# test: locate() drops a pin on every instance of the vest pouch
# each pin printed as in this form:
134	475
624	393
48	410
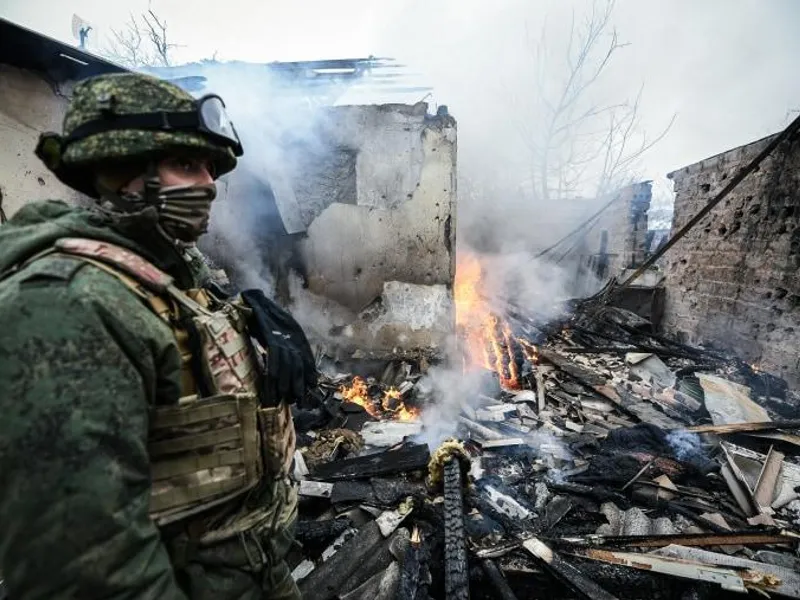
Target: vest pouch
202	452
277	439
226	354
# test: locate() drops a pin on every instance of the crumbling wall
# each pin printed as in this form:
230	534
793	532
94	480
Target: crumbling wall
616	239
383	246
366	198
733	279
29	105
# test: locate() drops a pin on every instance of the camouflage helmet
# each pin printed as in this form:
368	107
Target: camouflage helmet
96	132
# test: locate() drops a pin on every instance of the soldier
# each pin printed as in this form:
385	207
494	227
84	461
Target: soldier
146	436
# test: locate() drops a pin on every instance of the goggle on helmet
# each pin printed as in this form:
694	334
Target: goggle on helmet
209	118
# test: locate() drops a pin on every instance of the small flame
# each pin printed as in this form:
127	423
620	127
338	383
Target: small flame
357	393
530	350
416	536
391	406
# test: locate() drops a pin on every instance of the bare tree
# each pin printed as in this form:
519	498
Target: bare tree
577	145
142	42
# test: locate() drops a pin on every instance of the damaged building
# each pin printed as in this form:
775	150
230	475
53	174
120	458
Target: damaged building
369	198
732	279
346	212
591	454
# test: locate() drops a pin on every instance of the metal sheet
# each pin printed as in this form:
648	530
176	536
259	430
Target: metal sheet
725	578
728	402
788	580
765	487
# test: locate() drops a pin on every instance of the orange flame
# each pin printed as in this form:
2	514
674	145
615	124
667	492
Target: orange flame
488	339
357	393
393	403
391	406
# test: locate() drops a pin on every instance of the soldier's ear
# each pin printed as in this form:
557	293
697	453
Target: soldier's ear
48	149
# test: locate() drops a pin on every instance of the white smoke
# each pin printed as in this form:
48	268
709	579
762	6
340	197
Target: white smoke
247	234
685	444
450	389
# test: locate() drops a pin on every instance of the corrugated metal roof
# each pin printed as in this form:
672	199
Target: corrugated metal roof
27	49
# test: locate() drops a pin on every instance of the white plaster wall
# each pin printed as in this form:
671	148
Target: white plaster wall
28	106
401	226
389	255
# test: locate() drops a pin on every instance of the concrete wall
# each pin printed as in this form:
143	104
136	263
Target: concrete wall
28	106
733	279
385	249
367	200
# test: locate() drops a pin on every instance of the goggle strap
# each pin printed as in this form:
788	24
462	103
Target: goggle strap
163	121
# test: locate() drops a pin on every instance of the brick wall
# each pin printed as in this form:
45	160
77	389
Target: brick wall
732	281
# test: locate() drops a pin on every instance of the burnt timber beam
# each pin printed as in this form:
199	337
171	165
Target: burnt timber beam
407	458
456	571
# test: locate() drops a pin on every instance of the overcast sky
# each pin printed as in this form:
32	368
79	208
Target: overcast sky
727	68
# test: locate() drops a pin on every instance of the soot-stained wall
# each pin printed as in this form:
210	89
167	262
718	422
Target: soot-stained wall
732	281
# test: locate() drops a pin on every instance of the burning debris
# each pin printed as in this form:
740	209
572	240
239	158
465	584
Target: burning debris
389	404
489	340
596	459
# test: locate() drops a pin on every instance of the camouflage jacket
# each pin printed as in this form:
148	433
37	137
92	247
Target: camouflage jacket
82	359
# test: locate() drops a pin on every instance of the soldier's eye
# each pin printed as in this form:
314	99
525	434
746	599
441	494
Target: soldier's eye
194	166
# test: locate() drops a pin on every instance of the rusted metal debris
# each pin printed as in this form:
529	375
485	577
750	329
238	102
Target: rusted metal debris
734	538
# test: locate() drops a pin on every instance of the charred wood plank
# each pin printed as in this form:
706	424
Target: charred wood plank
513	527
324	582
381	586
413	575
352	491
316	532
378	491
376	561
568	574
638	348
389	492
498	580
746	427
585	376
597	492
456	571
734	538
407	458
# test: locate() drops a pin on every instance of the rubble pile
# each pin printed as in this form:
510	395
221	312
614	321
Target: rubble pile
600	460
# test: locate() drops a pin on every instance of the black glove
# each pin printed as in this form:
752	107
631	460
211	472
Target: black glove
291	369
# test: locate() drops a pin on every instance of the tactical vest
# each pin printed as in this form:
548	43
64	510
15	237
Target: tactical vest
207	448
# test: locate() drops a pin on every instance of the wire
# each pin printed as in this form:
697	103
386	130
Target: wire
578	228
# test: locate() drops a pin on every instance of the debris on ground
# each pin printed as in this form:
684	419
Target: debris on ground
599	459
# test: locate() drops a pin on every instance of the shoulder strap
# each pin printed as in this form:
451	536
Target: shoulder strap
122	262
131	264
